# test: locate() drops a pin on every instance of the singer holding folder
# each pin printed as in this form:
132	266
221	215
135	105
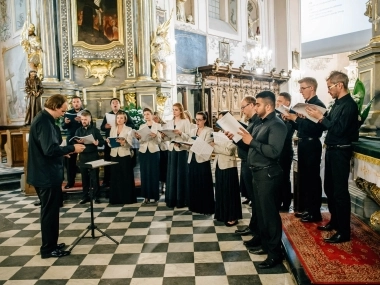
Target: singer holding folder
149	157
176	194
122	177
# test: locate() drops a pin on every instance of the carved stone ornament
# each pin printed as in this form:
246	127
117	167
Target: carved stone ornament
99	68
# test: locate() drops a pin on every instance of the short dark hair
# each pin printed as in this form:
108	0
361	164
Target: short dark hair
55	102
338	76
286	95
113	99
147	110
204	115
76	97
268	97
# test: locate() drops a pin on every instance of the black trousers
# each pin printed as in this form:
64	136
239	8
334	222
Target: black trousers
337	170
309	163
71	168
266	190
246	175
51	199
107	170
286	160
89	176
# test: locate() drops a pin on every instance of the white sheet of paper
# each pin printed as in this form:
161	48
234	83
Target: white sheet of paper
111	119
220	137
145	133
169	133
283	109
86	140
169	125
202	148
99	162
230	124
300	109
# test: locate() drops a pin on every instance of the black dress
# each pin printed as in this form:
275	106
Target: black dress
227	196
201	190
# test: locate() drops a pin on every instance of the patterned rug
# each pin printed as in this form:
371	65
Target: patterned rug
354	262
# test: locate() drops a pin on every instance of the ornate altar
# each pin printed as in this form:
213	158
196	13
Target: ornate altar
224	86
366	172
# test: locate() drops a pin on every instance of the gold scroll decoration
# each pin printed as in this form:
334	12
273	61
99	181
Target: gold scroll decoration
375	221
99	68
130	98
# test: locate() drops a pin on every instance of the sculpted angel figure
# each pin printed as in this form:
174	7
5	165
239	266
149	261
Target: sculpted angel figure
160	50
181	10
31	44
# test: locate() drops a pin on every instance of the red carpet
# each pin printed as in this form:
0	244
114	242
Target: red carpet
354	262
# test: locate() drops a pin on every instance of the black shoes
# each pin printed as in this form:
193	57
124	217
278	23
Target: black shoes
231	225
105	184
301	215
55	253
327	227
258	251
269	263
284	209
84	200
337	238
246	202
37	203
255	241
244	232
61	245
97	201
68	186
311	218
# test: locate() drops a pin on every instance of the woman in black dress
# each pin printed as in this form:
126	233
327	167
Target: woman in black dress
163	154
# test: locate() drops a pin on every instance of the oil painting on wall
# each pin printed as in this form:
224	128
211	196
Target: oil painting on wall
97	24
14	82
19	15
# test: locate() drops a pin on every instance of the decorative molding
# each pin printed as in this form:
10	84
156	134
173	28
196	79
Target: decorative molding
317	63
65	39
99	68
5	25
188	28
129	42
114	53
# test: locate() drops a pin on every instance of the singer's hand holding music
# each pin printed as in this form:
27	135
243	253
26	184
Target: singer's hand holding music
78	148
246	136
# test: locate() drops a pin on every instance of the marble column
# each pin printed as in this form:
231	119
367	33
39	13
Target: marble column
49	40
143	44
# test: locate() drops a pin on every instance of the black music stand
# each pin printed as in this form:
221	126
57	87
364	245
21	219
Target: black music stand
92	166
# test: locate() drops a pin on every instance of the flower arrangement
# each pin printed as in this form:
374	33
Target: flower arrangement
358	95
136	114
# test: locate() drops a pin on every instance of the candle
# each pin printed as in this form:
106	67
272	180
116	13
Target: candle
84	96
114	92
121	98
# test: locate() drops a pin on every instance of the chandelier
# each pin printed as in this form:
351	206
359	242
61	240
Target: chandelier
259	59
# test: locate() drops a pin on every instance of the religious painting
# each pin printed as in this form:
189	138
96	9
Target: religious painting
224	52
147	101
97	24
18	15
14	70
232	13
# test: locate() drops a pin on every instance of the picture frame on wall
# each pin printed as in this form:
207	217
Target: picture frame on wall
295	60
19	13
97	25
224	52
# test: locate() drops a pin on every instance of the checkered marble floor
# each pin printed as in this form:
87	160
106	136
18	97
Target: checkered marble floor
158	245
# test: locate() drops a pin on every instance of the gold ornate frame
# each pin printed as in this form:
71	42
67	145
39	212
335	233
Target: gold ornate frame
74	19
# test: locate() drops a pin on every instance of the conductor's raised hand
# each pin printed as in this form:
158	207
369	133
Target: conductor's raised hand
78	148
246	136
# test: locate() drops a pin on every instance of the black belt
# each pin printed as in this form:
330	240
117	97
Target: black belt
307	139
253	168
337	146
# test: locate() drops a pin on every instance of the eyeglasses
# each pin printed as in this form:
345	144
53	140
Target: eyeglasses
198	120
331	86
303	88
242	108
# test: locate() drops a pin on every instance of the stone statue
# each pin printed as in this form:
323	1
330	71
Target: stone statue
368	11
160	50
31	44
181	10
33	89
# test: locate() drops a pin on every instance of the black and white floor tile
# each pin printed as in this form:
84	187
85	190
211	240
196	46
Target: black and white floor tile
158	245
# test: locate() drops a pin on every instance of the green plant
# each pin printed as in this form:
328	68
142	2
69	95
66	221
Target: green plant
358	95
136	114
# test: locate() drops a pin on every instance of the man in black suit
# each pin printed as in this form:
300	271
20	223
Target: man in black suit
309	154
71	124
106	127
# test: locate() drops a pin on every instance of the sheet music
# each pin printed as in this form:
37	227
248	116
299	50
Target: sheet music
169	125
230	124
169	133
220	137
145	133
283	110
111	119
99	162
86	140
202	148
300	109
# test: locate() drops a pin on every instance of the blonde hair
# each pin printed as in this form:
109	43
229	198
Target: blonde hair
188	116
120	112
